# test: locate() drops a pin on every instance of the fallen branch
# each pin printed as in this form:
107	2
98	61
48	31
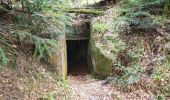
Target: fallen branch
86	11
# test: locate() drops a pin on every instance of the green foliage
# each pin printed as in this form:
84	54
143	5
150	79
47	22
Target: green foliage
42	5
3	58
158	75
141	1
43	46
39	22
138	15
117	25
166	8
86	11
141	20
129	76
119	45
136	53
167	90
100	27
160	97
132	74
127	63
161	72
49	96
160	80
63	83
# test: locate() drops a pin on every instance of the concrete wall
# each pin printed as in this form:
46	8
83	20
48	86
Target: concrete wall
58	58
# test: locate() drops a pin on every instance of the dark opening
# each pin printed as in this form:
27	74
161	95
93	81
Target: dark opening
77	57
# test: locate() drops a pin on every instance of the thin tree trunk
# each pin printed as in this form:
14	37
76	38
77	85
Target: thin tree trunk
87	2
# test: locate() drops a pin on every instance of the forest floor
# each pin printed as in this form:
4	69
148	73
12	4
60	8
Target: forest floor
89	89
85	87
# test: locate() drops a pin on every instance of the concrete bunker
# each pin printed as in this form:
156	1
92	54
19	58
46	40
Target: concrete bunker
77	48
80	55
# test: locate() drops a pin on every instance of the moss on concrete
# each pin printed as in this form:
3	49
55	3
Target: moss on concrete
98	62
58	57
102	66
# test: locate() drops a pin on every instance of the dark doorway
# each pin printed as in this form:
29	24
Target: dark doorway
77	57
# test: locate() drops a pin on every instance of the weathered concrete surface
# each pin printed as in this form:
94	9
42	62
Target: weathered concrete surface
101	65
79	28
100	47
58	58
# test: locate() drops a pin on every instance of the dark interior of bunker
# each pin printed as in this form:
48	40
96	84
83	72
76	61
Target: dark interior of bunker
77	57
77	45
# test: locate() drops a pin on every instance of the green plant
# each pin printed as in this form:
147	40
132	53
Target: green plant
167	90
49	96
160	97
43	46
166	8
63	83
161	71
136	15
119	45
142	20
136	53
128	75
36	22
132	74
100	27
158	76
3	58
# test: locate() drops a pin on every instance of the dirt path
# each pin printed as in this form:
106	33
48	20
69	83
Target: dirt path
84	88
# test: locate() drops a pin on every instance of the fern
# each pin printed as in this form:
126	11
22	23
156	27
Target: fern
129	76
141	20
137	13
43	46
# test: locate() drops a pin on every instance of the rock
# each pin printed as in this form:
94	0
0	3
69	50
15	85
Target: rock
94	98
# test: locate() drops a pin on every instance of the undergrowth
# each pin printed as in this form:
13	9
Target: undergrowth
137	15
3	58
37	23
138	18
100	27
127	66
42	45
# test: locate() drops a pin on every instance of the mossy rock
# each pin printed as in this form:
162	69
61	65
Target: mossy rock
101	64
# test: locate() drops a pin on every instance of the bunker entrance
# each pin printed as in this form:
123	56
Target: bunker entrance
77	57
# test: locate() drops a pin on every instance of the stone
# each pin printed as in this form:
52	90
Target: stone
94	98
